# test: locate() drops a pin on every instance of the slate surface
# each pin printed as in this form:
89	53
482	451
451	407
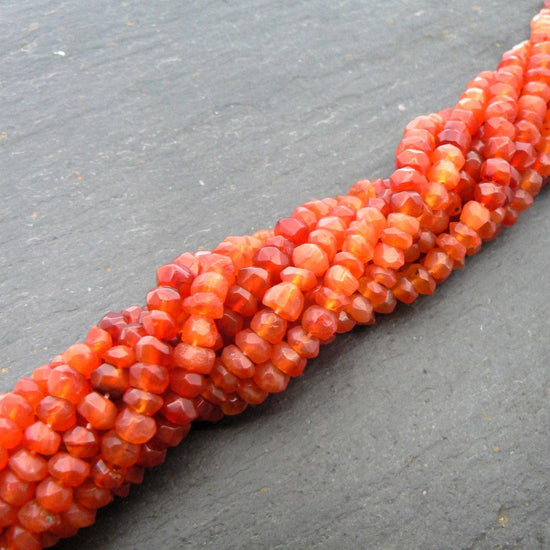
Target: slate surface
131	132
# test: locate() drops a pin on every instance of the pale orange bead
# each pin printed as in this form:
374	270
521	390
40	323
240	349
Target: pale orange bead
16	408
357	245
99	341
475	215
312	257
210	282
28	466
82	358
285	299
445	172
396	237
200	331
386	255
204	303
340	279
304	279
67	383
41	438
10	433
438	264
326	240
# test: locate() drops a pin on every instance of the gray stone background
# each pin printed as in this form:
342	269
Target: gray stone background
133	131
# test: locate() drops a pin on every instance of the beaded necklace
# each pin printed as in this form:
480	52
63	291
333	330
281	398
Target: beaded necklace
224	328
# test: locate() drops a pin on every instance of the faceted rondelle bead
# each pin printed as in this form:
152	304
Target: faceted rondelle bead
285	299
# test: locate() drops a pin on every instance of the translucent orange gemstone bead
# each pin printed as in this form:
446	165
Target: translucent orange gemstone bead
242	301
360	310
251	393
16	408
229	325
176	276
67	383
292	229
272	260
218	263
396	237
319	322
121	356
110	380
254	279
200	331
413	158
135	427
10	433
285	299
81	442
194	358
98	411
304	279
152	350
131	334
253	346
160	324
327	240
69	470
312	257
237	362
404	291
356	244
53	495
407	179
303	342
187	384
28	466
204	303
383	275
270	326
212	282
422	281
340	279
78	516
386	255
269	378
98	340
91	496
106	476
475	215
142	402
35	518
451	246
350	262
41	438
57	412
149	377
408	202
118	451
166	299
438	264
179	410
82	358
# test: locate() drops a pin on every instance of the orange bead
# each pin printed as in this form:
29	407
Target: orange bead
269	325
204	303
386	255
292	229
164	298
269	378
91	496
16	408
438	264
118	451
81	442
135	427
303	342
149	377
408	202
287	360
396	237
404	291
194	358
69	470
159	324
67	383
28	466
253	346
179	410
82	358
451	246
272	260
78	516
229	324
285	299
251	393
131	334
110	380
312	257
242	301
320	322
475	215
236	362
422	281
10	433
360	310
152	350
99	341
254	279
187	384
356	244
143	402
383	275
340	279
121	356
35	518
223	378
327	240
54	495
212	282
57	412
41	438
200	331
13	490
350	262
330	299
407	179
218	263
175	276
304	279
99	411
